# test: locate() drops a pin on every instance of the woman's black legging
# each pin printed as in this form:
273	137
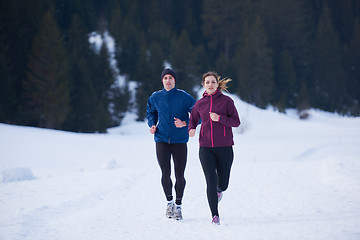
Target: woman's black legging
216	163
178	151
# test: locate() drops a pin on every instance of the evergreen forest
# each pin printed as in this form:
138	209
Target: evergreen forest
285	54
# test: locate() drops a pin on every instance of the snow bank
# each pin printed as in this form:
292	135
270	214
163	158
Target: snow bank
110	164
16	174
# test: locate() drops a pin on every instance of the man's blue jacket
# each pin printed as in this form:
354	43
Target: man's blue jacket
162	107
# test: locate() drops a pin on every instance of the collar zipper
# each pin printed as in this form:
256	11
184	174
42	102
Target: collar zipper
211	123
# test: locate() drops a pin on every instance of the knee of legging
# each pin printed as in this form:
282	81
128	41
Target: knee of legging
180	175
165	176
180	179
222	187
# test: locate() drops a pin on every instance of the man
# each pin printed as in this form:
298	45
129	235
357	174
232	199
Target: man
168	116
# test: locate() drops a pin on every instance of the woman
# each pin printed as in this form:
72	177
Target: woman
168	115
218	115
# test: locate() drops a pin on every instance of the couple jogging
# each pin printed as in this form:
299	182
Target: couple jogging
168	118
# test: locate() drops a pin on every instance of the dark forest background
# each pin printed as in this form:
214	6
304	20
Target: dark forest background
287	54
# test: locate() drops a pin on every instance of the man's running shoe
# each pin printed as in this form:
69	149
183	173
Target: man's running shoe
170	209
177	213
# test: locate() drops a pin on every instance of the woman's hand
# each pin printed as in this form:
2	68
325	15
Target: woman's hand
179	123
192	132
214	116
153	129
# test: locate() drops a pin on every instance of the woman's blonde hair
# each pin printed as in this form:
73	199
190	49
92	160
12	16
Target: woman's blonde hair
222	82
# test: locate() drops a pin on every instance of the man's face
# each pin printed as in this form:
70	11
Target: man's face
168	82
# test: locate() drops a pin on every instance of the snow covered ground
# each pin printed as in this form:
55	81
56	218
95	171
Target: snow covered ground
291	179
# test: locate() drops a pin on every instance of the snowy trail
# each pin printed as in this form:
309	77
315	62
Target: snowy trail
295	180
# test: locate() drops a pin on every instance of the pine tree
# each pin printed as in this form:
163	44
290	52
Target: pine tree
115	23
103	78
343	16
255	67
46	86
146	83
192	21
84	9
303	98
119	100
329	85
7	89
183	57
81	58
162	34
353	66
226	69
285	81
129	48
20	20
221	21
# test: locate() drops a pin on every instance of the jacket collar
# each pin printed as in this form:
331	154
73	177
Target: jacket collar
171	91
216	93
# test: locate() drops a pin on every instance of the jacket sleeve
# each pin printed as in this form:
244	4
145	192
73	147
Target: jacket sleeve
192	103
194	119
151	112
232	119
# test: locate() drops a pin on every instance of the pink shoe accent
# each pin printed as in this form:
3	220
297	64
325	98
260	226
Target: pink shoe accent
216	220
219	195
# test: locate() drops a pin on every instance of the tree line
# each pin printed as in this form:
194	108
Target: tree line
287	54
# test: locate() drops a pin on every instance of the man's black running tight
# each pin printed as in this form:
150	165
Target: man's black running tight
178	151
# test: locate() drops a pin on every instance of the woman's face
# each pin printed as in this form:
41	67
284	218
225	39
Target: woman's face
210	84
168	82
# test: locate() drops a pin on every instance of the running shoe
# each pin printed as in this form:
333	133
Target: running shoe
220	195
216	220
170	209
177	213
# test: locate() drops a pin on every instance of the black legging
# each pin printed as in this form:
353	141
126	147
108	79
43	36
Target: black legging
178	151
216	163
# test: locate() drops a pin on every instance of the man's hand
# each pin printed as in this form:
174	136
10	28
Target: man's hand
153	129
192	132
